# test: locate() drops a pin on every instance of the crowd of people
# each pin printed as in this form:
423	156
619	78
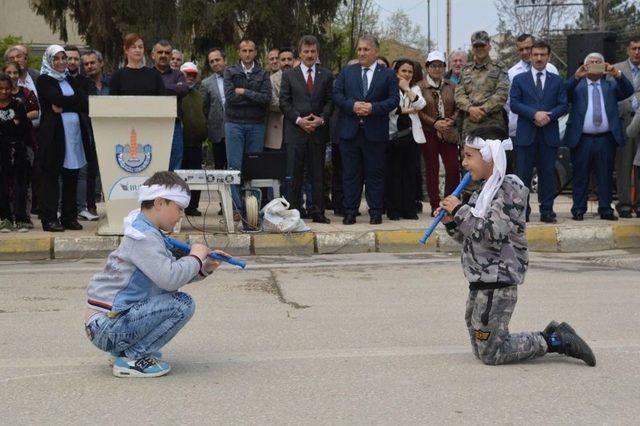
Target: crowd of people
377	122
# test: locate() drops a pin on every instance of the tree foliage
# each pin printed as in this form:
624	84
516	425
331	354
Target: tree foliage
353	19
10	40
401	29
192	25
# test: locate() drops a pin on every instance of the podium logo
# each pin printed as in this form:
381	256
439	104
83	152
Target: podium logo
126	188
133	158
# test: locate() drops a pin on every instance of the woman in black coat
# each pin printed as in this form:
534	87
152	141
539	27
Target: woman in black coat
63	139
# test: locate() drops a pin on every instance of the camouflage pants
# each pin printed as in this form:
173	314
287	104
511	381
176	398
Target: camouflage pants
487	315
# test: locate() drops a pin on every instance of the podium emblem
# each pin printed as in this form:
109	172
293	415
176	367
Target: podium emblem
133	158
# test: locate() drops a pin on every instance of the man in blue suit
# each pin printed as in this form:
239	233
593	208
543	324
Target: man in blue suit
594	130
538	98
365	93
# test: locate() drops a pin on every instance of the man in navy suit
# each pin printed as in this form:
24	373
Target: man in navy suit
594	130
365	93
539	98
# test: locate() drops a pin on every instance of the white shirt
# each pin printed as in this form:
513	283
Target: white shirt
220	83
519	68
543	77
372	69
305	72
247	70
589	127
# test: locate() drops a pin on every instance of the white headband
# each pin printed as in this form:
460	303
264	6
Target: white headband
491	150
174	193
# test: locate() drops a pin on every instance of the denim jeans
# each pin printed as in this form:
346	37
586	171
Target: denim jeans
81	191
144	328
241	138
175	160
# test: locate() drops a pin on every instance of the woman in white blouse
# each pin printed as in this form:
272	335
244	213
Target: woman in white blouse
405	130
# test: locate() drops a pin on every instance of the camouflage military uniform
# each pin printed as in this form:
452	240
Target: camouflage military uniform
495	260
484	85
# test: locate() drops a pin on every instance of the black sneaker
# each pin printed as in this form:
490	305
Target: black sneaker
572	345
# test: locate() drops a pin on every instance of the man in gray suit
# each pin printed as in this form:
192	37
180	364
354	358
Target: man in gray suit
212	89
306	102
624	157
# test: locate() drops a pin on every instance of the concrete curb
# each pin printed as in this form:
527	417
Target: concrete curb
542	238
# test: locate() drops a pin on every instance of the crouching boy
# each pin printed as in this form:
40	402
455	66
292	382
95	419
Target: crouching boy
491	228
134	307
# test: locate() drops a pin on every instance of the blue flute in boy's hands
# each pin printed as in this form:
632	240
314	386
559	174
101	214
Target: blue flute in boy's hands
215	256
456	193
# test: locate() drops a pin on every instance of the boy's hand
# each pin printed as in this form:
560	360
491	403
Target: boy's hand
200	251
447	218
450	203
211	265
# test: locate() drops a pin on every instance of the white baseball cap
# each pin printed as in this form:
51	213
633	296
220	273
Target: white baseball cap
189	67
436	55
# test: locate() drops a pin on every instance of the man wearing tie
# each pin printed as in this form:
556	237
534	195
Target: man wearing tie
539	98
625	155
305	101
594	130
365	94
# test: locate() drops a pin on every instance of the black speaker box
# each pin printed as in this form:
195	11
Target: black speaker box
579	45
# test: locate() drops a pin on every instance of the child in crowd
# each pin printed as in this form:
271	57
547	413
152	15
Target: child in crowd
134	306
14	165
491	228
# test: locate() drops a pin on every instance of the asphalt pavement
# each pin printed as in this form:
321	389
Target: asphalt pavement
328	339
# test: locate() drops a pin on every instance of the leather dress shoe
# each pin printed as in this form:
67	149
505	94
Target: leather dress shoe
73	225
392	216
578	216
548	218
410	216
320	218
348	219
625	214
608	216
375	220
52	226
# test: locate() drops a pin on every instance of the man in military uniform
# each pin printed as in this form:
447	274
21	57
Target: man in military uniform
484	87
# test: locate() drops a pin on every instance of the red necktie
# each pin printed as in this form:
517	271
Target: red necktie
309	82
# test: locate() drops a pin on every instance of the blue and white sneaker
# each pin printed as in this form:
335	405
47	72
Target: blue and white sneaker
143	367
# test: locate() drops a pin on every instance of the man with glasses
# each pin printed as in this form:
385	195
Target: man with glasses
483	88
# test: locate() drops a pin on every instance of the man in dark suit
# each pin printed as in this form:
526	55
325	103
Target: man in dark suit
538	98
305	101
594	130
365	93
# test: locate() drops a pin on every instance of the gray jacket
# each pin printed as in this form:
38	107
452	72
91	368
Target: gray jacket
624	107
494	249
213	108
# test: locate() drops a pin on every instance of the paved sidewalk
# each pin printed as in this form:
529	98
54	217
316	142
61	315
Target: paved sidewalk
391	236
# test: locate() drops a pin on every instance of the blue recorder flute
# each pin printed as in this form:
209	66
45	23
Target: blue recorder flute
215	256
456	193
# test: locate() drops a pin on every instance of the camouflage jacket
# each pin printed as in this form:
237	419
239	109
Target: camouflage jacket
494	249
485	85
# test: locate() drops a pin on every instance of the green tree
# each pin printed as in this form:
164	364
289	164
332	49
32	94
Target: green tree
620	17
401	29
353	19
192	25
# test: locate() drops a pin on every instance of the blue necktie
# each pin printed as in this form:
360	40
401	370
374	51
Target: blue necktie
539	83
597	106
365	81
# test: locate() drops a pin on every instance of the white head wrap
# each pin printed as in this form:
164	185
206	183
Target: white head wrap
47	63
491	150
174	193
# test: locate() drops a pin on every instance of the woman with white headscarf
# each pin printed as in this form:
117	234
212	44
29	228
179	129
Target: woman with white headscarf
63	140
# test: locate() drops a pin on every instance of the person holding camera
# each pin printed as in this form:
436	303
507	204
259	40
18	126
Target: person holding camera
594	130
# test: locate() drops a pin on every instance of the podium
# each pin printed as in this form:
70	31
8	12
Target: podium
133	136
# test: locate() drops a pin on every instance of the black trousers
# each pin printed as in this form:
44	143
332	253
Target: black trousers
192	160
400	186
51	192
337	195
219	155
311	154
14	172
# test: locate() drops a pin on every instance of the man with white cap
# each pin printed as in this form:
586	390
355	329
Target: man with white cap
194	124
491	228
